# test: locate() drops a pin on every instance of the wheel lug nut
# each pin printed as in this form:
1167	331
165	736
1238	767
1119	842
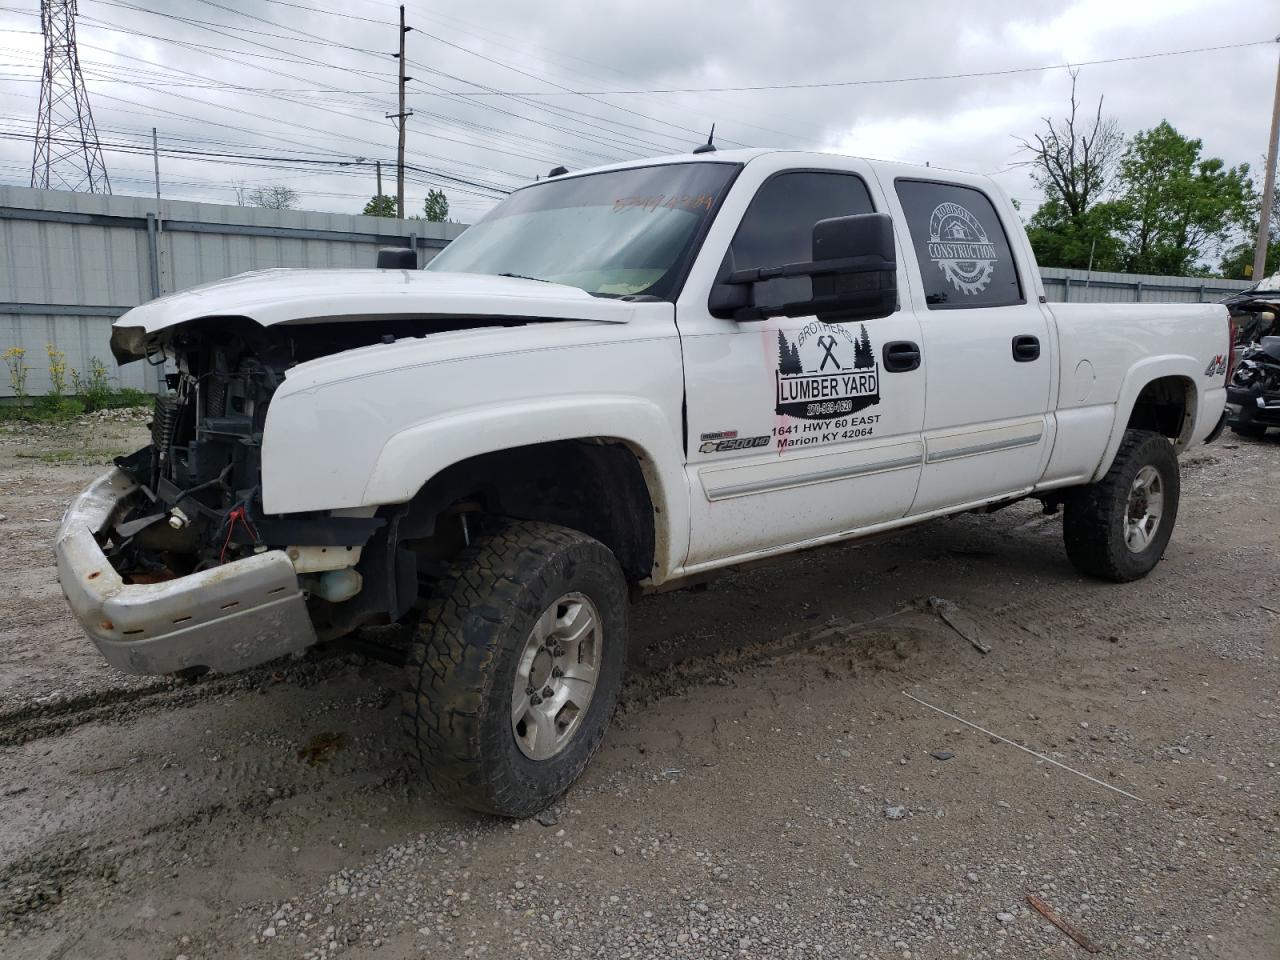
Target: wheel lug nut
547	691
557	672
535	700
530	690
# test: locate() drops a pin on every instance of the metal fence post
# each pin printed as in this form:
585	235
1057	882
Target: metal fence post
413	245
1139	292
153	254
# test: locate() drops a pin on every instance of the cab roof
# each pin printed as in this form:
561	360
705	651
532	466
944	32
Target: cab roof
747	154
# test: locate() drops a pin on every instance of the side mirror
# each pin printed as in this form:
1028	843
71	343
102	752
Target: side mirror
854	275
397	258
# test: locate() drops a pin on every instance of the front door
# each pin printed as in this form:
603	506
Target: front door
798	430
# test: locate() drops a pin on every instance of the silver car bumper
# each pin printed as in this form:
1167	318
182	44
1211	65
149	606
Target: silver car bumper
228	618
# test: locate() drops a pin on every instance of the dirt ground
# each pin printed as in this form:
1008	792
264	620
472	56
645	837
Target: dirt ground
768	788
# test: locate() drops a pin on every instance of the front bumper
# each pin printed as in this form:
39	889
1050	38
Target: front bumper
227	618
1249	405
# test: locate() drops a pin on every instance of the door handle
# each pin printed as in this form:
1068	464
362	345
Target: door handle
901	356
1026	348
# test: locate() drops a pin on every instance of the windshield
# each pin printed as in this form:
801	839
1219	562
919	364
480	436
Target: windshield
626	232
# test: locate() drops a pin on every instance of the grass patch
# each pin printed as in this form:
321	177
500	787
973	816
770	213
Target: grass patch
51	409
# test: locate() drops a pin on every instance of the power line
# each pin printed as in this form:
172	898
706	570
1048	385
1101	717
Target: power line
492	133
451	23
645	145
242	111
818	85
259	66
218	157
315	38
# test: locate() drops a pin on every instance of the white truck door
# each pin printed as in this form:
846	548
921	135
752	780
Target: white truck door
797	429
987	346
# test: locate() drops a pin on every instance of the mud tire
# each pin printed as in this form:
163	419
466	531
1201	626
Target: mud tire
457	704
1093	523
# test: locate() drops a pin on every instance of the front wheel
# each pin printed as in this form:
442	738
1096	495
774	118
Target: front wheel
515	670
1118	528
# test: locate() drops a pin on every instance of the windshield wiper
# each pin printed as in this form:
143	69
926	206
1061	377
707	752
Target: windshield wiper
520	276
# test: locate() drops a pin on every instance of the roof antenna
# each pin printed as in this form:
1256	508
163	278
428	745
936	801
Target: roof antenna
709	146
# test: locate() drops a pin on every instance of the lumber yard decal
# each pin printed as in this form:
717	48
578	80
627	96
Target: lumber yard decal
825	372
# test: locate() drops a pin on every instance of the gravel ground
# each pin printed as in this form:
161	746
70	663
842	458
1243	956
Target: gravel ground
768	789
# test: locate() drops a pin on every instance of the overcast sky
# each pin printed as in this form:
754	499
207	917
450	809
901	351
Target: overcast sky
309	85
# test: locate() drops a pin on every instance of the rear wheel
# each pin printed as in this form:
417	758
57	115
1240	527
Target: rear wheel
515	670
1118	528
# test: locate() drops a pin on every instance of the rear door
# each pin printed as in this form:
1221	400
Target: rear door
987	345
798	430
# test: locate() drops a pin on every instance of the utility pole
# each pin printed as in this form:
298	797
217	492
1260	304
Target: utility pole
400	120
1269	185
155	158
379	163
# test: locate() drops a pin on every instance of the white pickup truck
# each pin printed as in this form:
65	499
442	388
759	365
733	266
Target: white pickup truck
617	381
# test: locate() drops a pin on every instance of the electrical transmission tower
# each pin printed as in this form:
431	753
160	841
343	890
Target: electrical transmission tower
67	153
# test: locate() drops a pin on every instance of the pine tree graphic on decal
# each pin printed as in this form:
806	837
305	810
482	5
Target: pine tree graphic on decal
863	355
788	357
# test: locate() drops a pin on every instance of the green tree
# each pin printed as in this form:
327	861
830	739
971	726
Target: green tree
380	206
436	206
1175	206
1083	241
1073	161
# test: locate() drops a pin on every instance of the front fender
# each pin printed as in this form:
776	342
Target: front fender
1143	372
411	457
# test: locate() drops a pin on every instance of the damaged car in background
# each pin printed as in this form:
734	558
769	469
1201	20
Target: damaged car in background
1253	393
619	381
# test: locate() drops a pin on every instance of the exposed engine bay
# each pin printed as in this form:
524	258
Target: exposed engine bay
200	479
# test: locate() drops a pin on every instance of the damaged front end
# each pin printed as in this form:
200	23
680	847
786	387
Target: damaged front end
1253	395
169	561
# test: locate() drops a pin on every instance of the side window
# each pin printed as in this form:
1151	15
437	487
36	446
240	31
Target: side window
778	226
964	254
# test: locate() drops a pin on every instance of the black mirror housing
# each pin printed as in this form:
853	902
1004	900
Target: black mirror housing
397	258
854	275
869	289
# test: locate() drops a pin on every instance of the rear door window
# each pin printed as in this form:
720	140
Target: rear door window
961	246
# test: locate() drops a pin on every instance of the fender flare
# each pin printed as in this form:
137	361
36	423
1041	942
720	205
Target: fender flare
1140	374
411	457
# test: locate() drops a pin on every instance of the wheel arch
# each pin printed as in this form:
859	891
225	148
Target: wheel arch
595	485
1159	394
621	447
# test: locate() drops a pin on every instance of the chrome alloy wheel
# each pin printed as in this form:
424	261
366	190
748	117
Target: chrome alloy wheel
1146	504
556	676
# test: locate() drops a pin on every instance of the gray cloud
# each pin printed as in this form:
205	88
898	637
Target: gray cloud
621	44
